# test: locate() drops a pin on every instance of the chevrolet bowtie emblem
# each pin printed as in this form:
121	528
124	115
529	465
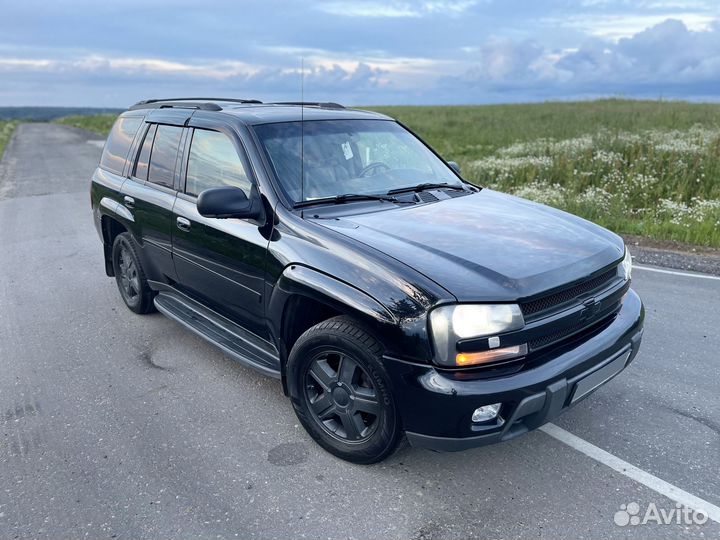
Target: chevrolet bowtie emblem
592	307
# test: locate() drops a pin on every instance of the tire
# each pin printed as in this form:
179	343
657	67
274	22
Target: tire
341	393
130	276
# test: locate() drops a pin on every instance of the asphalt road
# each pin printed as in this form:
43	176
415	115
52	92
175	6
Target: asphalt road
119	425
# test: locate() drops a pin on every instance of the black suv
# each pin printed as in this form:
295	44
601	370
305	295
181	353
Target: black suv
335	250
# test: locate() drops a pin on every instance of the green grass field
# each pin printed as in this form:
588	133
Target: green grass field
649	168
99	123
6	131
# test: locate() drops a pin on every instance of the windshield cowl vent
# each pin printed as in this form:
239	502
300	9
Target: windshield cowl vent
427	196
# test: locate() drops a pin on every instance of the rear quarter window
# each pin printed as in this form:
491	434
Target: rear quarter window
141	167
163	155
118	143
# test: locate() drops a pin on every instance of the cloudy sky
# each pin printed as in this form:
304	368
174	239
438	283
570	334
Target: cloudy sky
108	53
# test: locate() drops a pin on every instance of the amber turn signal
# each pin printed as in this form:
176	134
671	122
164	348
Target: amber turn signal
486	357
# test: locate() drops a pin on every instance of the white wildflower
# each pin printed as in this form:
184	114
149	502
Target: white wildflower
542	192
596	197
509	164
606	157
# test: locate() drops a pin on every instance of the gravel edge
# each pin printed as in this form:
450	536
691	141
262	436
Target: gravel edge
705	263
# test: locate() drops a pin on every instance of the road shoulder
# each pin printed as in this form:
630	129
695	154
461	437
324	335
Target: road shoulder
675	255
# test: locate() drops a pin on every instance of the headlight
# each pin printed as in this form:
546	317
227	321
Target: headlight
462	321
626	265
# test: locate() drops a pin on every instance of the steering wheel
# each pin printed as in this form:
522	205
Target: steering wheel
372	166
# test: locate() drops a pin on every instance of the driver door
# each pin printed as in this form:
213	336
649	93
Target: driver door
221	262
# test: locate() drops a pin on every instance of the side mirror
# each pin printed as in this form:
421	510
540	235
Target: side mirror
454	166
228	202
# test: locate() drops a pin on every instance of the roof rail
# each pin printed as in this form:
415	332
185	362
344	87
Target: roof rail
321	104
189	102
204	106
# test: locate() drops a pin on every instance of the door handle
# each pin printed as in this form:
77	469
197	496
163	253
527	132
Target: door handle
183	224
129	201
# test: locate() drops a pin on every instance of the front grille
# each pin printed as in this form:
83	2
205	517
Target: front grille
555	299
580	328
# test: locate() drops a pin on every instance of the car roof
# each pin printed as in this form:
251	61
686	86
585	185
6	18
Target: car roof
270	113
254	112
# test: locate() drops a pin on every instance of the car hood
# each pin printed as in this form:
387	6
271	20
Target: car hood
487	246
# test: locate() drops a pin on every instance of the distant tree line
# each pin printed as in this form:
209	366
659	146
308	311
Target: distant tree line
44	114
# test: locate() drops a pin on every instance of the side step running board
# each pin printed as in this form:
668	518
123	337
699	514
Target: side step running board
235	341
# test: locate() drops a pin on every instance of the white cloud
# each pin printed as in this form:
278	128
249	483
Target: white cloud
149	76
399	71
667	60
368	9
129	65
667	54
386	9
649	4
448	6
20	63
621	25
394	51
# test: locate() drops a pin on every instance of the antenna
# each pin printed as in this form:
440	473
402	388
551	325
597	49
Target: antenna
302	128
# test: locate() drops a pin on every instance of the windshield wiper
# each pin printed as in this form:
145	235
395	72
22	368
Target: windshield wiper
346	197
426	186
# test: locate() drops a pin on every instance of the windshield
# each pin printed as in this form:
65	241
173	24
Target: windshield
366	157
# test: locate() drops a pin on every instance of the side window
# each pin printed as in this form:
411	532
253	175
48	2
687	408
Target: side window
214	162
163	155
118	143
141	167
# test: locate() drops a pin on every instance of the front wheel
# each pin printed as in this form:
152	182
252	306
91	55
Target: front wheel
340	391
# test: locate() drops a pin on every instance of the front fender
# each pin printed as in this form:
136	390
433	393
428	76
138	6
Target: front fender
299	279
400	337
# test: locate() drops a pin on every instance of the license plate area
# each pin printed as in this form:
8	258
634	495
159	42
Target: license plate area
600	376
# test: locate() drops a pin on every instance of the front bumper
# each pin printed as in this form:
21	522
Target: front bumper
436	406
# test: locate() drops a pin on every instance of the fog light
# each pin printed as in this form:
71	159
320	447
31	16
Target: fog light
486	412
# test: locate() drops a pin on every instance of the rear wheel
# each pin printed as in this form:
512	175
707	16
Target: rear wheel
341	393
129	275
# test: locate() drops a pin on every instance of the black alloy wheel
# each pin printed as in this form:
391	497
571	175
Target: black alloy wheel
342	396
130	275
341	392
129	278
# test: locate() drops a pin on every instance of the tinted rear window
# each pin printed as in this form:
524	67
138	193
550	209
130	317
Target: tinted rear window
118	143
141	167
164	154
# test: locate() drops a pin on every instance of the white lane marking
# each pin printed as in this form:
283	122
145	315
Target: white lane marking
99	144
631	471
674	272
